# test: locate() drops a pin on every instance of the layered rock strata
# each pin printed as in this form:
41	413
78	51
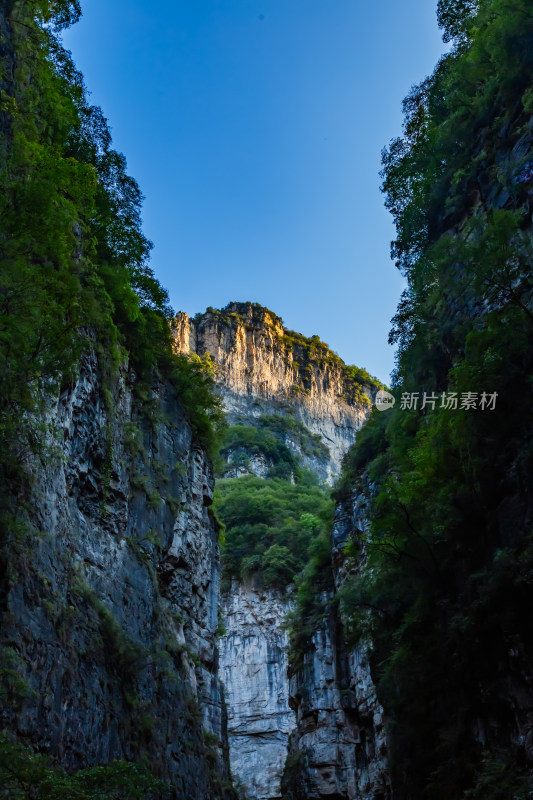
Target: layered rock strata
263	368
109	598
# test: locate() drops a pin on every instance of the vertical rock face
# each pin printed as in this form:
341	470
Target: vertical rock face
109	603
253	667
339	747
263	368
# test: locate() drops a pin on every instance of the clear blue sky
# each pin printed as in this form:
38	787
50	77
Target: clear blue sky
254	128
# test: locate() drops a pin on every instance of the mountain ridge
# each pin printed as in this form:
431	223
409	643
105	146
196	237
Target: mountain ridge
262	367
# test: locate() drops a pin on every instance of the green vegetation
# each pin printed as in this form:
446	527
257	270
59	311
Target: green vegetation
14	688
25	775
235	312
309	353
270	522
447	584
74	271
269	525
75	280
266	436
311	444
240	442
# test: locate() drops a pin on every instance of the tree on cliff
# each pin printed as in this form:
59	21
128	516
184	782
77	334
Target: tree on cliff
450	553
74	263
74	278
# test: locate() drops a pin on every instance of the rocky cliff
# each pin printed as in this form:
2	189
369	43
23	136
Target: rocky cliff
339	747
110	590
298	391
253	668
264	368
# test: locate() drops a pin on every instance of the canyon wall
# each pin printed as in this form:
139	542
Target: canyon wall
332	719
263	368
110	595
253	669
339	747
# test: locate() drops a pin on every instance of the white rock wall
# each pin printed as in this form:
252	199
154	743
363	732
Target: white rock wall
258	374
253	668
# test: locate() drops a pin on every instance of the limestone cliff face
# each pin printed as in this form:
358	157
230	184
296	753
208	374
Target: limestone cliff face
339	747
263	368
109	602
253	668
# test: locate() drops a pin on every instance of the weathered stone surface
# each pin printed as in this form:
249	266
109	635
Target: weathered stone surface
339	747
256	464
339	733
110	598
264	369
253	667
260	372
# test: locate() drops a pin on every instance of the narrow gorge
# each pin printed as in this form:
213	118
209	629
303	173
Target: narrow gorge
113	614
274	381
228	571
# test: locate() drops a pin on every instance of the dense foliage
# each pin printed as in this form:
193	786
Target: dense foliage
269	525
241	443
74	278
270	521
288	427
74	271
266	437
450	552
25	775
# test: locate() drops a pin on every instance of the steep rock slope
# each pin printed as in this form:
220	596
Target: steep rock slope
306	407
339	746
253	668
263	368
108	550
450	554
109	601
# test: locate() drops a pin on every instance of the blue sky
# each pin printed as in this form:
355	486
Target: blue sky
254	128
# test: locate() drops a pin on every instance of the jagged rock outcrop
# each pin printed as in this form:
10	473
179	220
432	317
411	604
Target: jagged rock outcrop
263	368
253	667
265	371
110	594
339	747
255	464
